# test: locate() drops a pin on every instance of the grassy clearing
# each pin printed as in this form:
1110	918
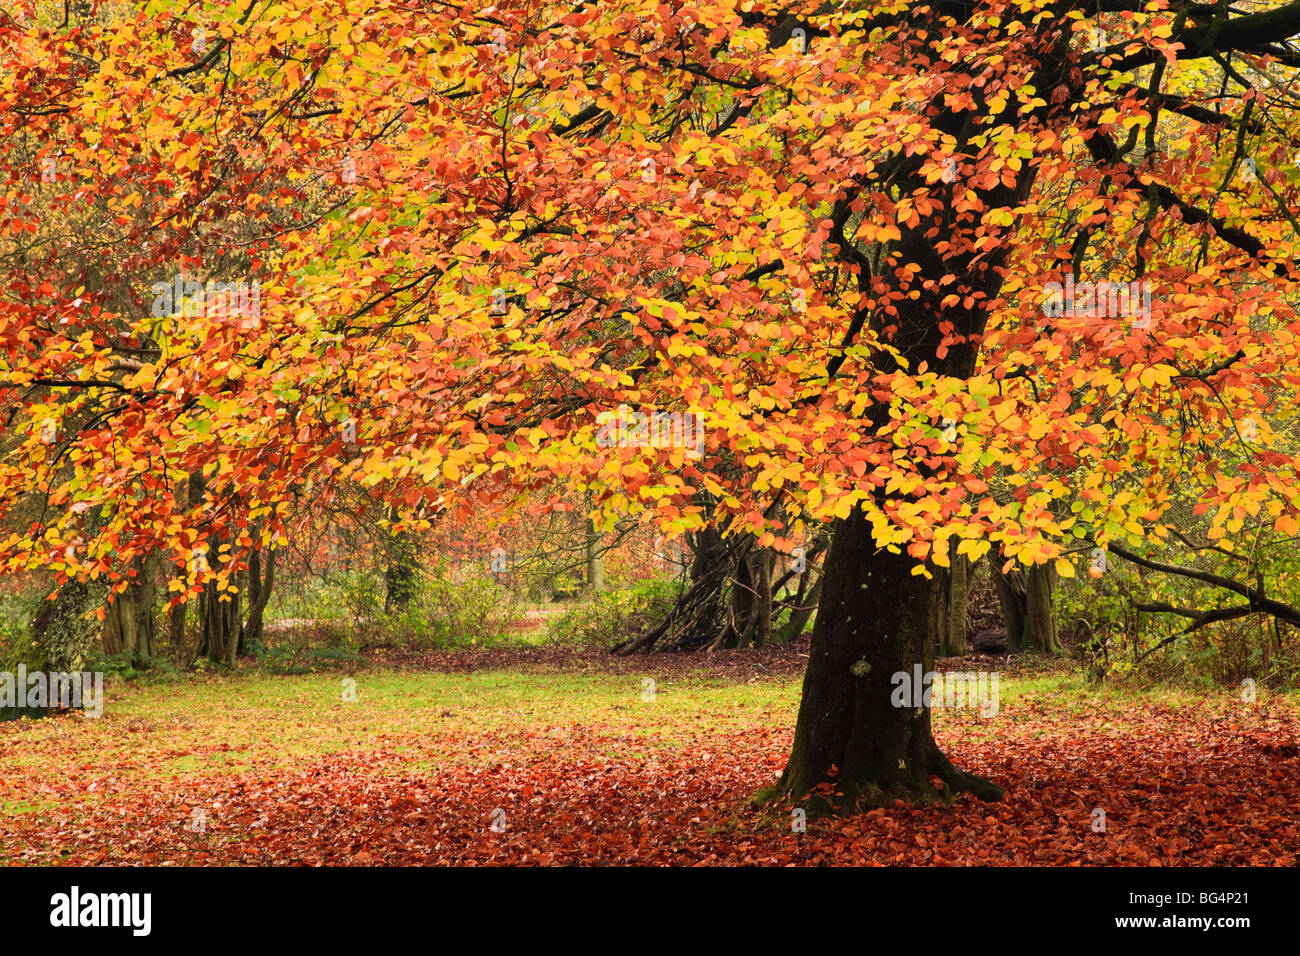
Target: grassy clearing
182	726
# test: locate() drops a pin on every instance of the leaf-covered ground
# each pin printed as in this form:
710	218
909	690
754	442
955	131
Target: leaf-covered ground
588	769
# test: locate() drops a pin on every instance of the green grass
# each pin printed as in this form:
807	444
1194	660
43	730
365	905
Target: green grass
14	807
226	724
175	725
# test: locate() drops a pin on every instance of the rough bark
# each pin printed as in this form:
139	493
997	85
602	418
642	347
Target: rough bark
1028	607
853	748
129	627
1040	631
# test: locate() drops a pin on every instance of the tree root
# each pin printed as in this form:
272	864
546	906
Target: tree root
834	797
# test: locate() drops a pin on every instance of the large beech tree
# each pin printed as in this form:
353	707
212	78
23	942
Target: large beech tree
835	235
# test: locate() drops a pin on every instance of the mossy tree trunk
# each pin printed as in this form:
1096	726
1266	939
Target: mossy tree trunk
65	628
64	634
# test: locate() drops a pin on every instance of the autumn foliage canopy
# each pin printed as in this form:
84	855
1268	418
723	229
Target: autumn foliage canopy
420	249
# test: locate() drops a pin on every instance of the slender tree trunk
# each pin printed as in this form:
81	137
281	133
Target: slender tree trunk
805	602
954	632
214	637
176	637
853	748
222	615
259	593
254	577
117	636
762	631
748	618
938	620
738	622
221	620
595	560
146	624
749	611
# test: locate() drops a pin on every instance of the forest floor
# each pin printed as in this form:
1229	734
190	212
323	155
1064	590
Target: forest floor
552	756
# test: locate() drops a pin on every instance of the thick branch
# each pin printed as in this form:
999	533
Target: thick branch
1258	601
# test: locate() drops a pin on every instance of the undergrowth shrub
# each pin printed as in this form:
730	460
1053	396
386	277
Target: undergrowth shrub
1112	639
616	615
17	610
